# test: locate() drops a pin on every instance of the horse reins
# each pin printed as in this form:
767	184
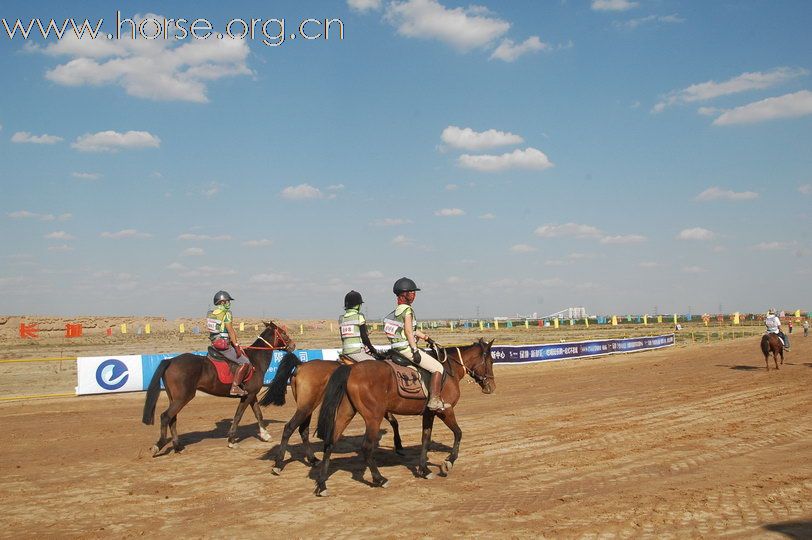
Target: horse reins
269	347
480	379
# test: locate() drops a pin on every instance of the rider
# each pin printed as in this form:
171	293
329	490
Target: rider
224	339
773	324
400	327
352	327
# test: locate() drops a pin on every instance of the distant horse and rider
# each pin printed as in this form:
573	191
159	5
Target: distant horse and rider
183	375
774	341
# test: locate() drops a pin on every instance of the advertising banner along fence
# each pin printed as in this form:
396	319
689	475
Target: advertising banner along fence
131	373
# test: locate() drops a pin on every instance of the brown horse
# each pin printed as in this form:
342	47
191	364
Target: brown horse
771	343
370	388
186	373
308	380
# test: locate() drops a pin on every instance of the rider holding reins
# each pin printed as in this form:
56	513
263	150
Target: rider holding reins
773	324
352	326
224	339
400	327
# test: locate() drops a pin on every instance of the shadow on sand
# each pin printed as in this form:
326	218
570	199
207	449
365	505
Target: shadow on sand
220	431
792	529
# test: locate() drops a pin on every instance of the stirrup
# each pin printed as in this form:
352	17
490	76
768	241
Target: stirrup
441	407
237	391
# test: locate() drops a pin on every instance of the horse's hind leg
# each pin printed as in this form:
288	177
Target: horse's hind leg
304	433
422	467
162	440
775	358
344	415
263	433
368	447
296	421
448	417
395	433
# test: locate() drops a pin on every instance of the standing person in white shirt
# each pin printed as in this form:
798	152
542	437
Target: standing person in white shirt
773	324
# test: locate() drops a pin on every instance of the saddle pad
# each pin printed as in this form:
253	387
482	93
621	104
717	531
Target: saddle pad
225	371
410	383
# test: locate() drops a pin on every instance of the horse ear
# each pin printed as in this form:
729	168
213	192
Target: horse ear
267	324
490	343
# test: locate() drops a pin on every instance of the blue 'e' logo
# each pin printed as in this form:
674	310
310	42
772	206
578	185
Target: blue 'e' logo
112	374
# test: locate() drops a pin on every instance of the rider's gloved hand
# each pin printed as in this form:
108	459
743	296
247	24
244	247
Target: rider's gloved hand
416	356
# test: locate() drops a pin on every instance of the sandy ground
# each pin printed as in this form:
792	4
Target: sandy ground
688	442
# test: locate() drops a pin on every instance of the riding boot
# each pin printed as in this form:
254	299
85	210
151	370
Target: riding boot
435	403
238	378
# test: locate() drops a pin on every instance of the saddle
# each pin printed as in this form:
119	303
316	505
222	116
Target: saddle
226	368
412	380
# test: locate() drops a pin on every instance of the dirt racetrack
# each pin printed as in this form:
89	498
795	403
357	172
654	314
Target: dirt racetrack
697	441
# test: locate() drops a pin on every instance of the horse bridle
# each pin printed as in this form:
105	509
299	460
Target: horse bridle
480	379
276	334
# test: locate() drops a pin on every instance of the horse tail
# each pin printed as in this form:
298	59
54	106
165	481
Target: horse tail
335	392
153	391
765	344
279	385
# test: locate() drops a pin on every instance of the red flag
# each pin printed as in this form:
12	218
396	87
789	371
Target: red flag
28	331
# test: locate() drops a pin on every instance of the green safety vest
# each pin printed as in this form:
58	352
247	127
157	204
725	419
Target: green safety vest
349	327
393	326
216	320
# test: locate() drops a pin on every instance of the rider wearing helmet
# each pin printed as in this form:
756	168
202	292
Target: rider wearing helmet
224	339
352	327
773	324
400	327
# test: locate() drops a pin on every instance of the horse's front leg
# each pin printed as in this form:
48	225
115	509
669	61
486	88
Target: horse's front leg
395	433
263	433
422	467
448	417
232	432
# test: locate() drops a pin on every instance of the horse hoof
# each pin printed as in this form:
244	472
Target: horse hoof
233	445
446	466
276	471
322	493
313	462
265	437
155	450
385	484
428	475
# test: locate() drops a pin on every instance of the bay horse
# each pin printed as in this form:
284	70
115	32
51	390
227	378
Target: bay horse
370	388
183	375
771	343
308	381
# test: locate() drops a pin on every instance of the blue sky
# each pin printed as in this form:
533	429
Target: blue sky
510	157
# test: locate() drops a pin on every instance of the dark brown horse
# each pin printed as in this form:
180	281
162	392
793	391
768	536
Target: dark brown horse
370	388
771	343
183	375
308	380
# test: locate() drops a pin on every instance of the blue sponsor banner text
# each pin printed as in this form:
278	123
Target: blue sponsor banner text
579	349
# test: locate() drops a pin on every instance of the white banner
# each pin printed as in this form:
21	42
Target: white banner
104	374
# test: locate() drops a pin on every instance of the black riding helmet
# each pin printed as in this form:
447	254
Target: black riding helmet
219	296
353	298
403	285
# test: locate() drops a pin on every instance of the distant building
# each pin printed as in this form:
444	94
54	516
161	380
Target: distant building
569	313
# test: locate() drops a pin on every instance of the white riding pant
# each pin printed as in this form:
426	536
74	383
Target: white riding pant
427	361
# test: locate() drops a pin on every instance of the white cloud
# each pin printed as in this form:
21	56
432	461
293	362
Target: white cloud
693	269
206	271
522	248
372	274
60	248
176	266
650	264
125	233
772	246
263	242
529	158
301	192
113	141
335	187
26	137
211	189
86	175
745	82
192	252
402	240
623	239
509	52
468	139
159	69
390	222
449	212
805	189
204	237
613	5
59	235
696	233
715	193
774	108
576	230
270	277
487	215
451	187
634	23
364	5
25	214
463	28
